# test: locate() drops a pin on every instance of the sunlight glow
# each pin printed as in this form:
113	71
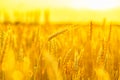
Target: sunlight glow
94	4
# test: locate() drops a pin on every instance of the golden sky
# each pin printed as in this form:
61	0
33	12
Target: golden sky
77	4
60	9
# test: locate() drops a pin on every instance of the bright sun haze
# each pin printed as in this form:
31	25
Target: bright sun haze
94	4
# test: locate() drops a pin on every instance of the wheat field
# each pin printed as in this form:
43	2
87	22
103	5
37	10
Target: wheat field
49	52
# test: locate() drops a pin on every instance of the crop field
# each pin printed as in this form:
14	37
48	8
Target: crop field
70	52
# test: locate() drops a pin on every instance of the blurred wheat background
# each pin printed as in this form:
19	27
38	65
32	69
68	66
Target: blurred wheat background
35	47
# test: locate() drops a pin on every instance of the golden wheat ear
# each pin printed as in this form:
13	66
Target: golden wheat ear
56	34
